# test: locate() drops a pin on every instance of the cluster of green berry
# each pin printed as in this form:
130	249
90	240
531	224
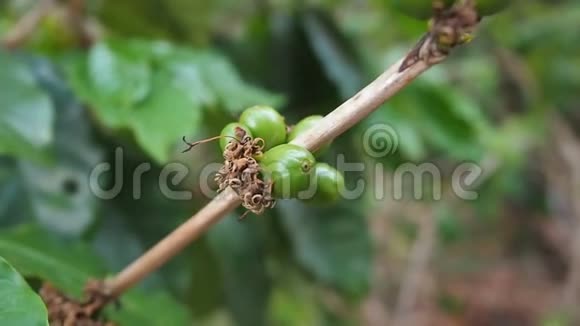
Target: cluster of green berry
291	169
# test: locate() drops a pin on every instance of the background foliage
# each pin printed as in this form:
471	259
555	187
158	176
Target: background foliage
160	70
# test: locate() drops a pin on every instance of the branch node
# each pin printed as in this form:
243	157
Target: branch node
449	28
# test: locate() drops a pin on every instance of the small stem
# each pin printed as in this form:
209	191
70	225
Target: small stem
418	264
331	126
203	141
79	21
360	105
567	145
27	24
173	243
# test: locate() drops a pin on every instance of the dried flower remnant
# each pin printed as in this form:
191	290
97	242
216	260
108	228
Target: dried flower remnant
449	27
66	311
241	172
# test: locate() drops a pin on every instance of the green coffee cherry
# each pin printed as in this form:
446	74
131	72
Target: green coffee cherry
420	9
229	131
490	7
266	123
289	167
327	187
305	124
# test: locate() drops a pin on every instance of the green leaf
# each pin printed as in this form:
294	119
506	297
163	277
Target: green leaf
234	94
125	92
128	226
19	305
449	227
153	308
115	241
68	265
441	124
57	196
412	145
12	209
549	26
293	300
443	117
194	17
158	91
168	114
36	254
122	77
189	72
126	230
26	114
147	20
335	53
407	139
56	193
240	252
332	243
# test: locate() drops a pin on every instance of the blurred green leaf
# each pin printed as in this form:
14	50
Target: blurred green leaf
158	91
233	93
449	120
545	28
293	301
205	283
148	18
138	218
412	145
56	193
58	197
121	77
332	243
193	18
335	54
240	252
301	77
451	304
115	241
68	265
53	35
523	133
441	116
167	115
557	319
19	305
26	114
35	253
153	308
192	276
449	227
409	141
10	191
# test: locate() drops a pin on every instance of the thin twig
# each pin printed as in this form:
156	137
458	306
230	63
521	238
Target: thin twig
568	146
420	257
331	126
172	244
335	123
85	27
360	105
27	24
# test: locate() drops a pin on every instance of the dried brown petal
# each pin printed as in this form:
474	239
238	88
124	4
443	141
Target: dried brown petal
241	172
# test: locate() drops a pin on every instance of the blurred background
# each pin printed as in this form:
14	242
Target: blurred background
87	82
